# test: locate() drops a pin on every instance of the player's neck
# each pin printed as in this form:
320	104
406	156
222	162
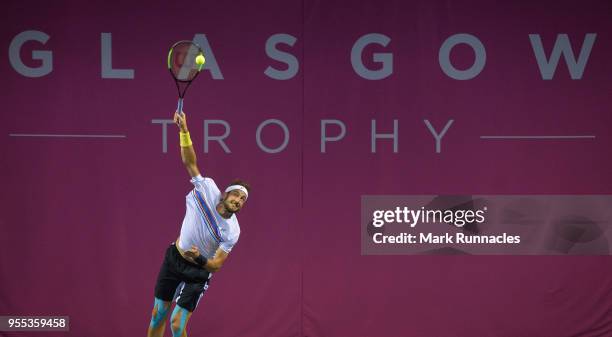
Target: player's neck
223	211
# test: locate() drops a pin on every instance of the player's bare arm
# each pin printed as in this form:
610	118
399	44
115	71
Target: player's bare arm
211	265
187	152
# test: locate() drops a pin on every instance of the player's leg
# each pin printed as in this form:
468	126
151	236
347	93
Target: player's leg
179	319
165	288
161	309
189	295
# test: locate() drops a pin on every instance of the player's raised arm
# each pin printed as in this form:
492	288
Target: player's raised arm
187	153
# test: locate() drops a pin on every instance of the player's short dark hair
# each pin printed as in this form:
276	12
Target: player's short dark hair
241	183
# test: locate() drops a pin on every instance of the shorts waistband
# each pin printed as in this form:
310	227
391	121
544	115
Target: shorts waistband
178	252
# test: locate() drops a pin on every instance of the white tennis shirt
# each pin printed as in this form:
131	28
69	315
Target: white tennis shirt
203	226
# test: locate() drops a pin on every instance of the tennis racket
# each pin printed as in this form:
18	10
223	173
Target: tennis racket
183	66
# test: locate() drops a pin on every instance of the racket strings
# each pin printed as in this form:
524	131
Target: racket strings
182	62
183	66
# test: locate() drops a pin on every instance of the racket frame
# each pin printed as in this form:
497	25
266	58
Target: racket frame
181	95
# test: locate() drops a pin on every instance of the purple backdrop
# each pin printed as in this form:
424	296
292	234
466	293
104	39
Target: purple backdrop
85	221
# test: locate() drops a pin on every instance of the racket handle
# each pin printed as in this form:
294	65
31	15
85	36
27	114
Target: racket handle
179	107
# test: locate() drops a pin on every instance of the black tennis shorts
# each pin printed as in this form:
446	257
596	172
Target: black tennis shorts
181	279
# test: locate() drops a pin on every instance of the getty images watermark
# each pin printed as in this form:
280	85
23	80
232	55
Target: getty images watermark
478	224
458	218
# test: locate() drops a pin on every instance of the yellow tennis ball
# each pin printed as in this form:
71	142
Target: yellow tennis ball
199	59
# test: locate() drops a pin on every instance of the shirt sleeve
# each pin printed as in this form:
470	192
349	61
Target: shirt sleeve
198	182
229	244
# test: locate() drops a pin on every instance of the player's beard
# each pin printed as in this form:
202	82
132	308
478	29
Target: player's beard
230	207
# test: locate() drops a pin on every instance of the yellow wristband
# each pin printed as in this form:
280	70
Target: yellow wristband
185	139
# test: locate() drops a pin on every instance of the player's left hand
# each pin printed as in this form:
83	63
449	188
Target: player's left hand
181	120
193	252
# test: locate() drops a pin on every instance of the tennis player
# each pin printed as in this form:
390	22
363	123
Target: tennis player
209	232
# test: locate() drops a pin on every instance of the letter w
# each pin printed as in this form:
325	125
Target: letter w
562	46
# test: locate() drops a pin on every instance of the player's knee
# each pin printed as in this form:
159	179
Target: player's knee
178	321
160	310
176	327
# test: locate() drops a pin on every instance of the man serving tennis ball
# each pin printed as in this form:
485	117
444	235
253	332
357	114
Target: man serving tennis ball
209	232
